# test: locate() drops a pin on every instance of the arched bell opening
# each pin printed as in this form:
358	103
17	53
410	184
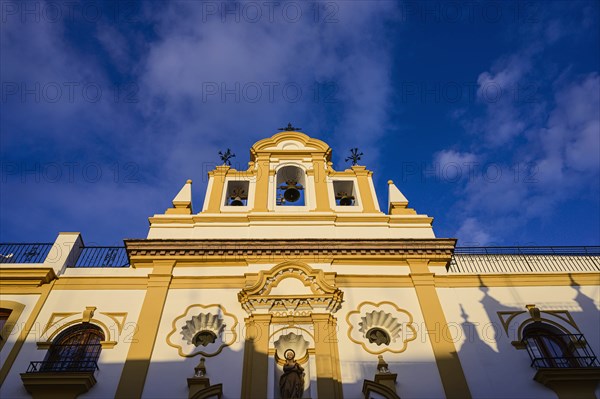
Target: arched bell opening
290	186
345	193
236	193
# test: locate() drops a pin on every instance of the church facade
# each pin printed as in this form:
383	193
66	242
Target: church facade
291	282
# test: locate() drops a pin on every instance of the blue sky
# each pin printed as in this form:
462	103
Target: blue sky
485	114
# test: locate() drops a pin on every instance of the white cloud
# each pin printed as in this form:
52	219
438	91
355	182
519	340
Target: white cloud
452	166
560	162
472	233
177	126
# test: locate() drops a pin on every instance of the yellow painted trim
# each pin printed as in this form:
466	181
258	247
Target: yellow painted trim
291	324
26	276
10	359
103	327
329	380
217	177
518	280
341	280
207	282
256	357
261	191
118	317
364	281
101	283
321	192
314	145
446	356
562	315
20	290
133	377
16	309
362	178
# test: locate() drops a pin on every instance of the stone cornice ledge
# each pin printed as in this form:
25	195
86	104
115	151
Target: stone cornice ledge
435	247
26	275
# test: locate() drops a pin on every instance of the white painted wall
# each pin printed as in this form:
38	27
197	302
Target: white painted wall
111	360
168	373
493	367
416	368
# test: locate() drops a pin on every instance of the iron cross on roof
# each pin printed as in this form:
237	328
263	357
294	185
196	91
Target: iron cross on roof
290	128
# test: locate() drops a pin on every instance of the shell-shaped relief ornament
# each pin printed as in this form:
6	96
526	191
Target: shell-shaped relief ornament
381	327
292	341
203	330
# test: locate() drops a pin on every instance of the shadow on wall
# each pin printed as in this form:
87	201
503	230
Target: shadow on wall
491	360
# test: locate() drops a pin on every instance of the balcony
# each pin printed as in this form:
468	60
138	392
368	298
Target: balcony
69	375
570	368
62	366
574	353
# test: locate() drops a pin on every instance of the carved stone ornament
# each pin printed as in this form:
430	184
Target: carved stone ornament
203	330
291	288
294	342
381	327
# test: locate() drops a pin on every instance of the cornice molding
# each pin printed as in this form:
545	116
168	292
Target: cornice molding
403	248
22	276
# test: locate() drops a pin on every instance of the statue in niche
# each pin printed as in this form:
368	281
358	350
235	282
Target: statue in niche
291	383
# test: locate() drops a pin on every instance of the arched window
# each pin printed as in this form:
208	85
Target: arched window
75	349
550	347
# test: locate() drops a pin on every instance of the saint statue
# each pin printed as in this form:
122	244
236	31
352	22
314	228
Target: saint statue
291	383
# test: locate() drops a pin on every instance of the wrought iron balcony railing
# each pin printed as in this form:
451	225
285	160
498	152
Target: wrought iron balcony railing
102	257
562	351
64	366
24	253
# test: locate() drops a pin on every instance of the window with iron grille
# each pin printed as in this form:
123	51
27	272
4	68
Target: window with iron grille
549	347
75	349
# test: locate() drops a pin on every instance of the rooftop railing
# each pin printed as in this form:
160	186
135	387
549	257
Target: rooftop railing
88	257
531	250
502	260
472	260
102	257
24	253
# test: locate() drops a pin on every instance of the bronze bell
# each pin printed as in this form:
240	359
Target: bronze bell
237	195
291	194
345	199
237	201
292	190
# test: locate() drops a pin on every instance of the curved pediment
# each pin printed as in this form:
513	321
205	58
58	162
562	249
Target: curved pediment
290	288
290	141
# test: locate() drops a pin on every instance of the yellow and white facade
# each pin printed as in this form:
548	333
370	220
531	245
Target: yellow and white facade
373	304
